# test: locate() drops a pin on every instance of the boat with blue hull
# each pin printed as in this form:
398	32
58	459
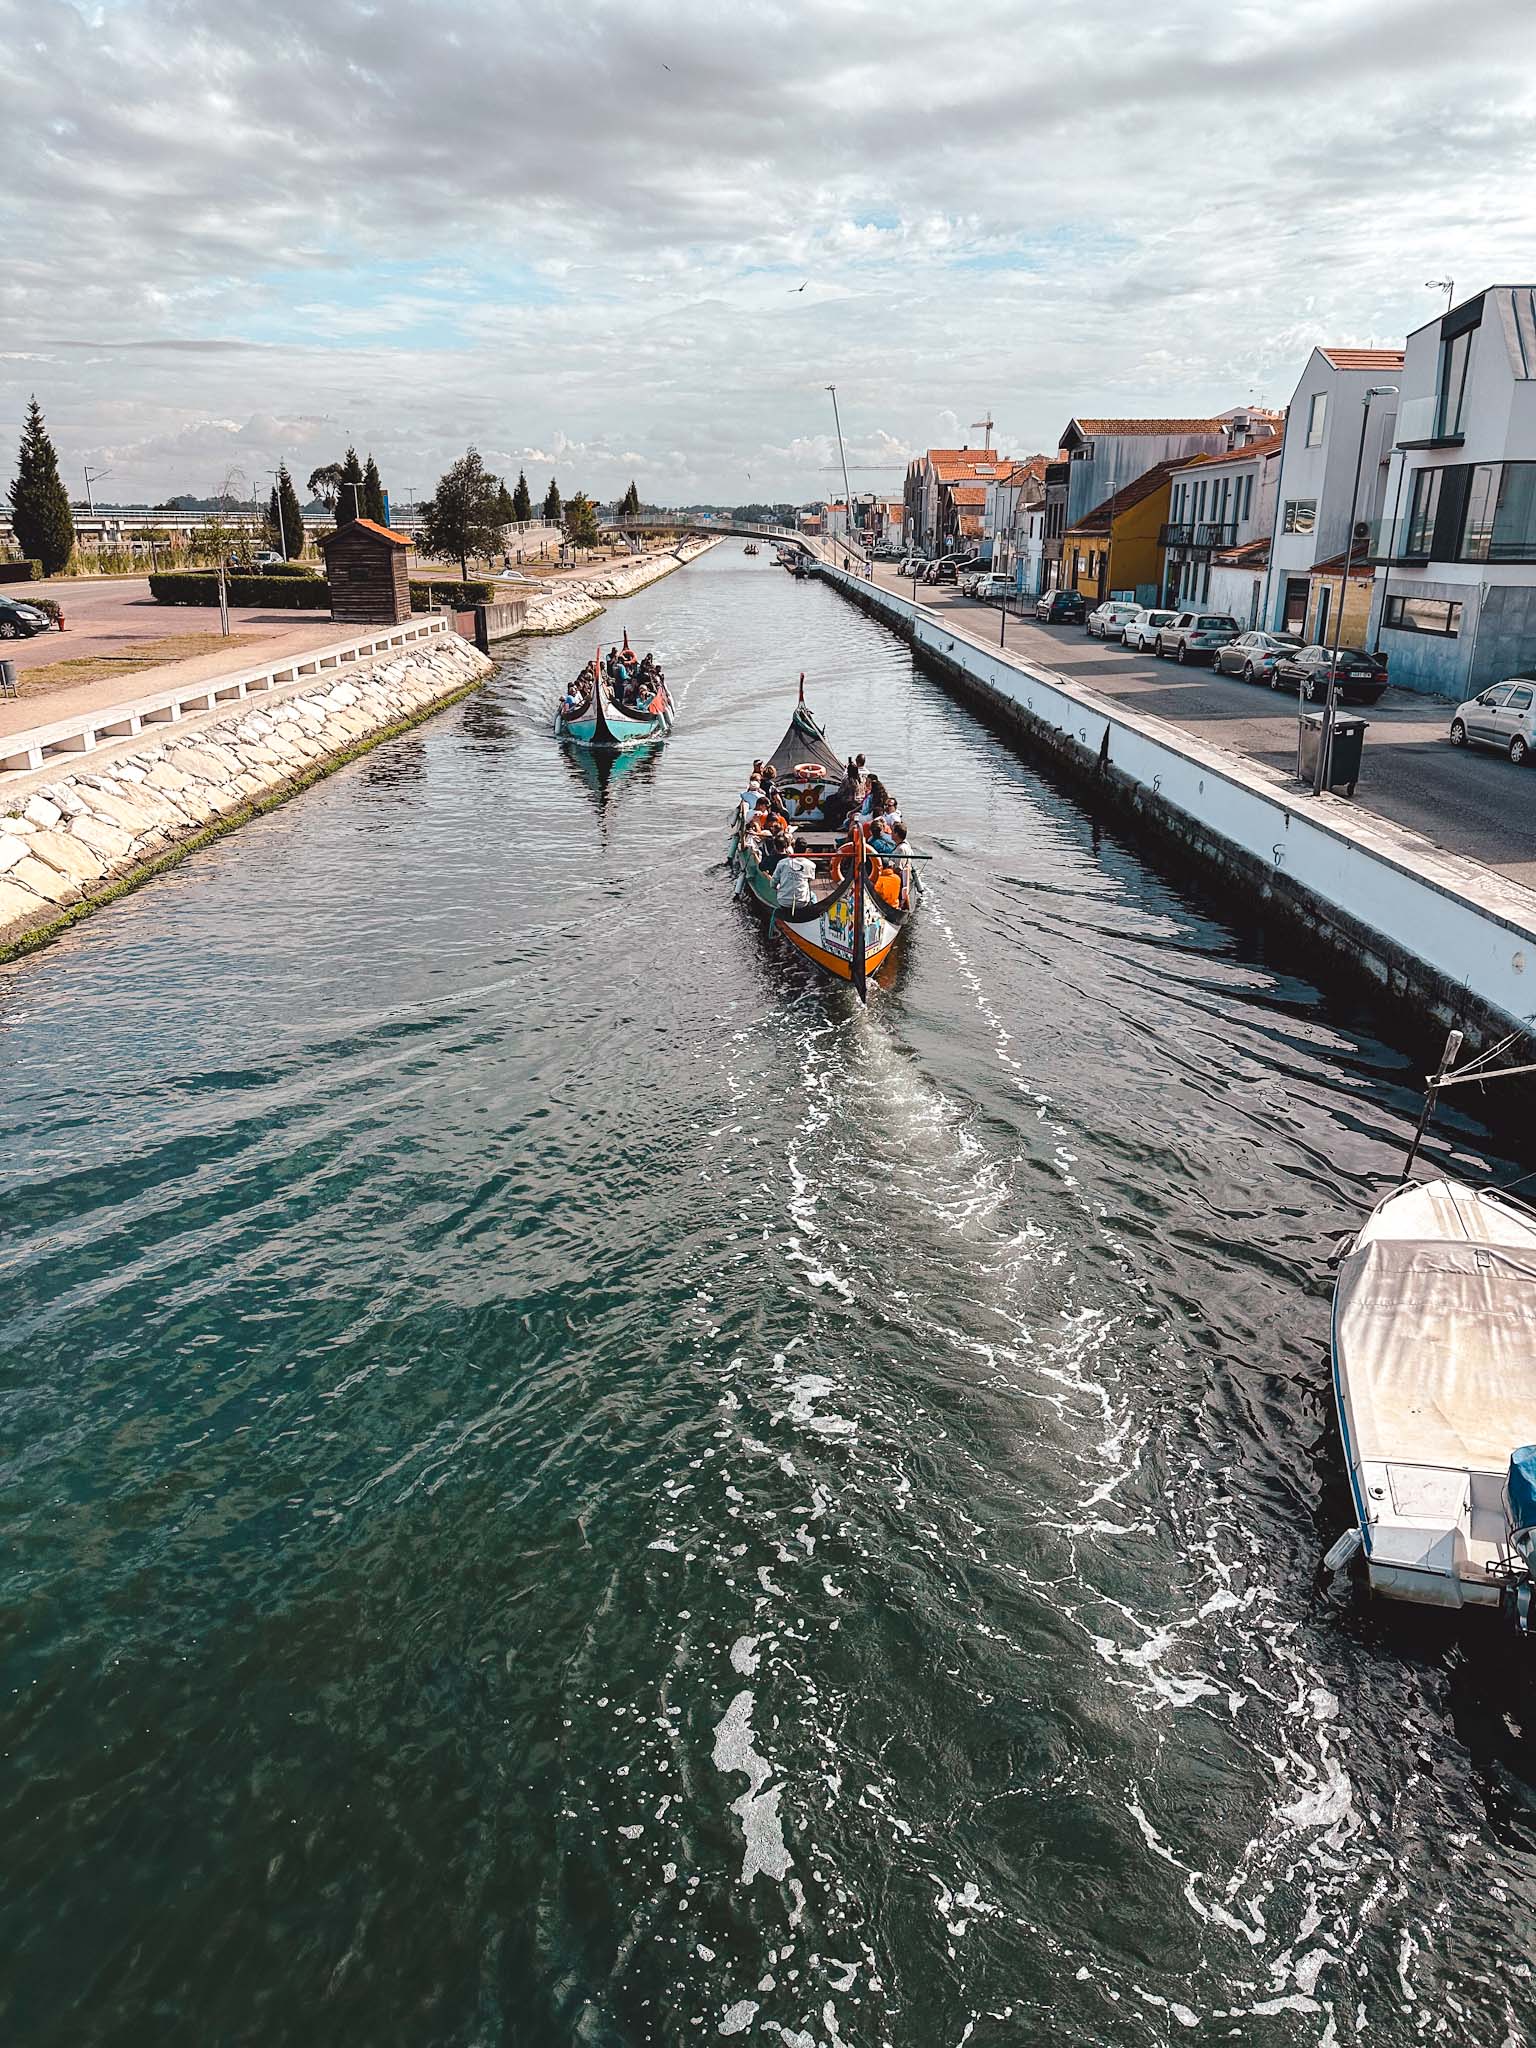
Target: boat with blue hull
613	712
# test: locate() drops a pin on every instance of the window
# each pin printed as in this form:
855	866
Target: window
1300	515
1317	412
1454	356
1423	506
1500	525
1423	615
1520	700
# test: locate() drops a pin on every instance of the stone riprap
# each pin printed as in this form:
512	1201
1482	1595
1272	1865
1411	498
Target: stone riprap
79	837
562	607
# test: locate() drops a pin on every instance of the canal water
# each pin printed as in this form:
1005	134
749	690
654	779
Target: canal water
565	1484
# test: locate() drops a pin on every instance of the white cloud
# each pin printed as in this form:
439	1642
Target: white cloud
577	235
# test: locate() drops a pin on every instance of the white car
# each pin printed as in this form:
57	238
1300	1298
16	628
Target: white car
1500	717
1141	629
1109	621
990	588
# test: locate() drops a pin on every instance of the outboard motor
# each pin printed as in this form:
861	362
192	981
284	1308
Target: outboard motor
1517	1567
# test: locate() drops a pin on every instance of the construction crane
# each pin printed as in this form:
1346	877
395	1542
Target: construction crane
988	423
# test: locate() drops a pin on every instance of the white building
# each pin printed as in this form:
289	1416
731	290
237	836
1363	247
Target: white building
1014	525
1221	514
1317	472
1454	607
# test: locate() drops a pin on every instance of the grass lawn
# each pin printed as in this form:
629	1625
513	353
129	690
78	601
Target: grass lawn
90	668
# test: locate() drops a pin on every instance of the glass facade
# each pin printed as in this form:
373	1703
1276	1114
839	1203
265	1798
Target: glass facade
1454	357
1441	615
1500	525
1300	515
1422	508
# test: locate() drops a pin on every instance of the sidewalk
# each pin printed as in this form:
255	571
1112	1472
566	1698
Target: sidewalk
1465	802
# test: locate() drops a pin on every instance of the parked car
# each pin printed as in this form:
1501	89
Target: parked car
1195	636
20	620
1141	629
1108	622
1501	717
1361	677
990	588
1061	608
1253	656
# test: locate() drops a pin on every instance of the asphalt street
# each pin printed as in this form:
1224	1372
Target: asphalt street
1467	801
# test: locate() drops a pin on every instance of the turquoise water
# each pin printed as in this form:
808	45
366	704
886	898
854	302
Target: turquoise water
565	1484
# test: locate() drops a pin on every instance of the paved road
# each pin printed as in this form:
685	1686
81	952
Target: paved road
1469	803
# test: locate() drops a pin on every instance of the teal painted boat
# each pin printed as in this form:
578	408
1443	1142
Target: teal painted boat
591	714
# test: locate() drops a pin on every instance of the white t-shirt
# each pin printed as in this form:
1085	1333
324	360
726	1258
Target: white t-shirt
793	879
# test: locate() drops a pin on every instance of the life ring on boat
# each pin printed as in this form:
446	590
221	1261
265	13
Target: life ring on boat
875	866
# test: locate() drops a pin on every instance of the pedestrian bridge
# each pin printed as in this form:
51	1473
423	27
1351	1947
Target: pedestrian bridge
657	522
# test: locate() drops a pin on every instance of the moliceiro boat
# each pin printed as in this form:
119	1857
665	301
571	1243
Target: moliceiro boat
812	872
615	704
1434	1370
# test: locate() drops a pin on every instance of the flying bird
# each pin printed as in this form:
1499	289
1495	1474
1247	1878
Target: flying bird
797	288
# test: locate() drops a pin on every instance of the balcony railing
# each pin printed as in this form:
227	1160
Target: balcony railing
1198	534
1419	423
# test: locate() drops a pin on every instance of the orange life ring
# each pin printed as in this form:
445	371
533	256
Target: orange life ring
840	864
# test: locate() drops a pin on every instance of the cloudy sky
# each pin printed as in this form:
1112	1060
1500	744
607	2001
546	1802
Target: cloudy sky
575	234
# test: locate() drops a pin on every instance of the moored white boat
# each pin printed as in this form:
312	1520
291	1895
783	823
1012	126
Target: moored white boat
1434	1364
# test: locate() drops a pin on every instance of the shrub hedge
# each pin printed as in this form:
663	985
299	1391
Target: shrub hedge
425	597
201	586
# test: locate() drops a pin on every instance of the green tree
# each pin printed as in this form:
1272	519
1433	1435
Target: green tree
581	521
372	492
522	504
325	484
463	518
631	506
41	519
552	503
349	490
506	510
285	516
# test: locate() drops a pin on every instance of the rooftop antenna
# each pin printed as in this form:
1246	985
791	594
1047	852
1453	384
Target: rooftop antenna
1442	284
988	424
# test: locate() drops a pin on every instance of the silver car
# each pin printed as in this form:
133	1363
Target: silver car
1142	627
1500	717
1109	620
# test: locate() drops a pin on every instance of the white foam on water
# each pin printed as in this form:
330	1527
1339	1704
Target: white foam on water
757	1808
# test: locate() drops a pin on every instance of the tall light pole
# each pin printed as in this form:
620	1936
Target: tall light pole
842	458
1324	763
92	476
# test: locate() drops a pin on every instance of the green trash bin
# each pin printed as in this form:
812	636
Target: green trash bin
1348	743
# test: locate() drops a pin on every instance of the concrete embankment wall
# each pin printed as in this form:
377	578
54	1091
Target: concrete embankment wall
576	602
1453	938
72	841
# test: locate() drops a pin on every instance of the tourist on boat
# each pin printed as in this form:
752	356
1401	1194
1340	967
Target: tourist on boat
890	836
794	878
752	795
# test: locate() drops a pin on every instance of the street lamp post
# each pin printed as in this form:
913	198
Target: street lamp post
842	458
1324	763
92	476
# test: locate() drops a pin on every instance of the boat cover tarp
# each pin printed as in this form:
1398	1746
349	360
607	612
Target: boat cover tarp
1436	1348
804	741
1522	1488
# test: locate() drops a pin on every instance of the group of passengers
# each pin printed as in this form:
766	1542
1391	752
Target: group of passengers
859	798
636	685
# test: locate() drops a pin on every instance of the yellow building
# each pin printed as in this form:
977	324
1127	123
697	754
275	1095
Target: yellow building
1115	550
1323	601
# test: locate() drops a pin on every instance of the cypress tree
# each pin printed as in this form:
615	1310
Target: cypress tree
285	531
552	511
632	499
349	502
40	516
522	504
506	511
372	491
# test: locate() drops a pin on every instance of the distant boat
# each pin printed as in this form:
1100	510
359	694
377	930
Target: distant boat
860	903
751	548
591	715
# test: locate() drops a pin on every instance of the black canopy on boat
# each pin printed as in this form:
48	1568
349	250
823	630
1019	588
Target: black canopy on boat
805	741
